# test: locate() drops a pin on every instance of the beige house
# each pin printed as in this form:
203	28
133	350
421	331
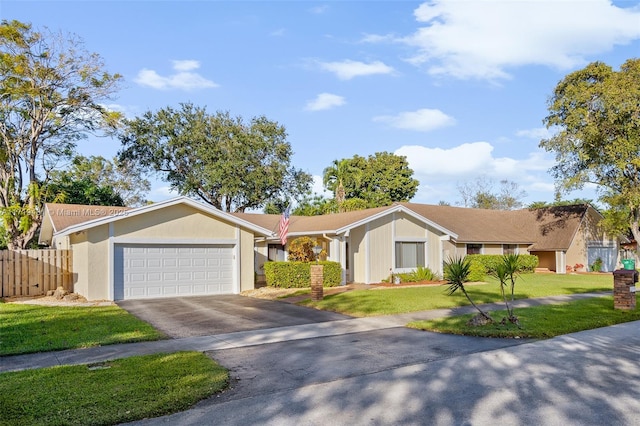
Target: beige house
172	248
183	247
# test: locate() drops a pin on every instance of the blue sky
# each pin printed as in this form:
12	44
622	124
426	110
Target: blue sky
459	87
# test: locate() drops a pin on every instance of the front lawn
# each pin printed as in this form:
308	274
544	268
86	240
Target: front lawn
388	301
35	328
539	321
110	392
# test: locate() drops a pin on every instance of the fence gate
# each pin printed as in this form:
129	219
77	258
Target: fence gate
34	272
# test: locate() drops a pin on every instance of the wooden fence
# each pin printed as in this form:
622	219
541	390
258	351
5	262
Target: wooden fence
34	272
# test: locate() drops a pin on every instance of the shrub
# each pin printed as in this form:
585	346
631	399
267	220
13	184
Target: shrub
298	274
597	265
423	273
528	262
477	271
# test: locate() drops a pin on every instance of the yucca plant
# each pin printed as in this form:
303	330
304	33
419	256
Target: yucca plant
507	272
456	273
422	273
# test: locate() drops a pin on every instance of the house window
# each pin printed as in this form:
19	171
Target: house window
276	253
509	249
474	248
409	255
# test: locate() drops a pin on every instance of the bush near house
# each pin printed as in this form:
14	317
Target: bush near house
528	262
298	274
420	274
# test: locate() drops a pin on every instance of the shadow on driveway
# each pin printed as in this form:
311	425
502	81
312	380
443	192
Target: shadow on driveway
209	315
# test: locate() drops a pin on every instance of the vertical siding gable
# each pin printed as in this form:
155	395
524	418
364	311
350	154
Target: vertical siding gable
380	248
178	221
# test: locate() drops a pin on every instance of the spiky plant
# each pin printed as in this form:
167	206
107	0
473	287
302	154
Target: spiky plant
456	273
507	272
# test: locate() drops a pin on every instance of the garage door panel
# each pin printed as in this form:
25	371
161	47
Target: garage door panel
146	271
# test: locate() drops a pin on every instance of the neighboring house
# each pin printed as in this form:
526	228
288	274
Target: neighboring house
183	247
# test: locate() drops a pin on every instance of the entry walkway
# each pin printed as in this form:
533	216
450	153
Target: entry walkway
255	337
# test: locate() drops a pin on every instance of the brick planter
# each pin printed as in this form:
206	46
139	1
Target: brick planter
624	295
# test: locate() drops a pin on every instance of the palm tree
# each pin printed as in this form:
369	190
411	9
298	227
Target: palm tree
456	273
336	175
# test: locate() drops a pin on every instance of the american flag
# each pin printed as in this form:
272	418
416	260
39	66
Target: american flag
284	225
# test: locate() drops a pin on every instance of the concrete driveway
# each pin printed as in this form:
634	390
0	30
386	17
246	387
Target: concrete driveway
209	315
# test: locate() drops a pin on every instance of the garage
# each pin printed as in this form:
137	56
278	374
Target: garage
143	271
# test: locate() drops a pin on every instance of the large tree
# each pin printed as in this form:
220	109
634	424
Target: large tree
596	111
377	180
481	194
227	162
51	91
96	180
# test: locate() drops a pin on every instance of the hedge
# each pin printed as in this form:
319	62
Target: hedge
528	262
298	274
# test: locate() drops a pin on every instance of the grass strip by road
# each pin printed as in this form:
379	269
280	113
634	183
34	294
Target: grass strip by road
389	301
36	328
540	322
110	392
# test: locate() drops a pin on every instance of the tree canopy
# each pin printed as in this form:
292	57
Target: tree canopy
51	91
97	181
596	111
377	180
227	162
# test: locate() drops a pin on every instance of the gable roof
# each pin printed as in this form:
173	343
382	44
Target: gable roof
335	223
556	227
545	229
549	228
75	220
58	217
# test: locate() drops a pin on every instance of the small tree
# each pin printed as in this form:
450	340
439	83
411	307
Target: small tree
456	273
301	249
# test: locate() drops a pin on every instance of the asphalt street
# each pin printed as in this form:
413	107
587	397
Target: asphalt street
399	376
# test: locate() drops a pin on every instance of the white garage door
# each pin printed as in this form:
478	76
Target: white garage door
154	270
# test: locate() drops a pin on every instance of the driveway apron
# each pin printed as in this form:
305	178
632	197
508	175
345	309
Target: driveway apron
209	315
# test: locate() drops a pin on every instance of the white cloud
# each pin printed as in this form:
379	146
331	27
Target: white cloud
325	101
483	39
348	69
278	33
377	38
538	133
441	170
422	120
186	65
183	79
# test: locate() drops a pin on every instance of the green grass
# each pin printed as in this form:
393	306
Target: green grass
539	321
390	301
36	328
300	292
111	392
